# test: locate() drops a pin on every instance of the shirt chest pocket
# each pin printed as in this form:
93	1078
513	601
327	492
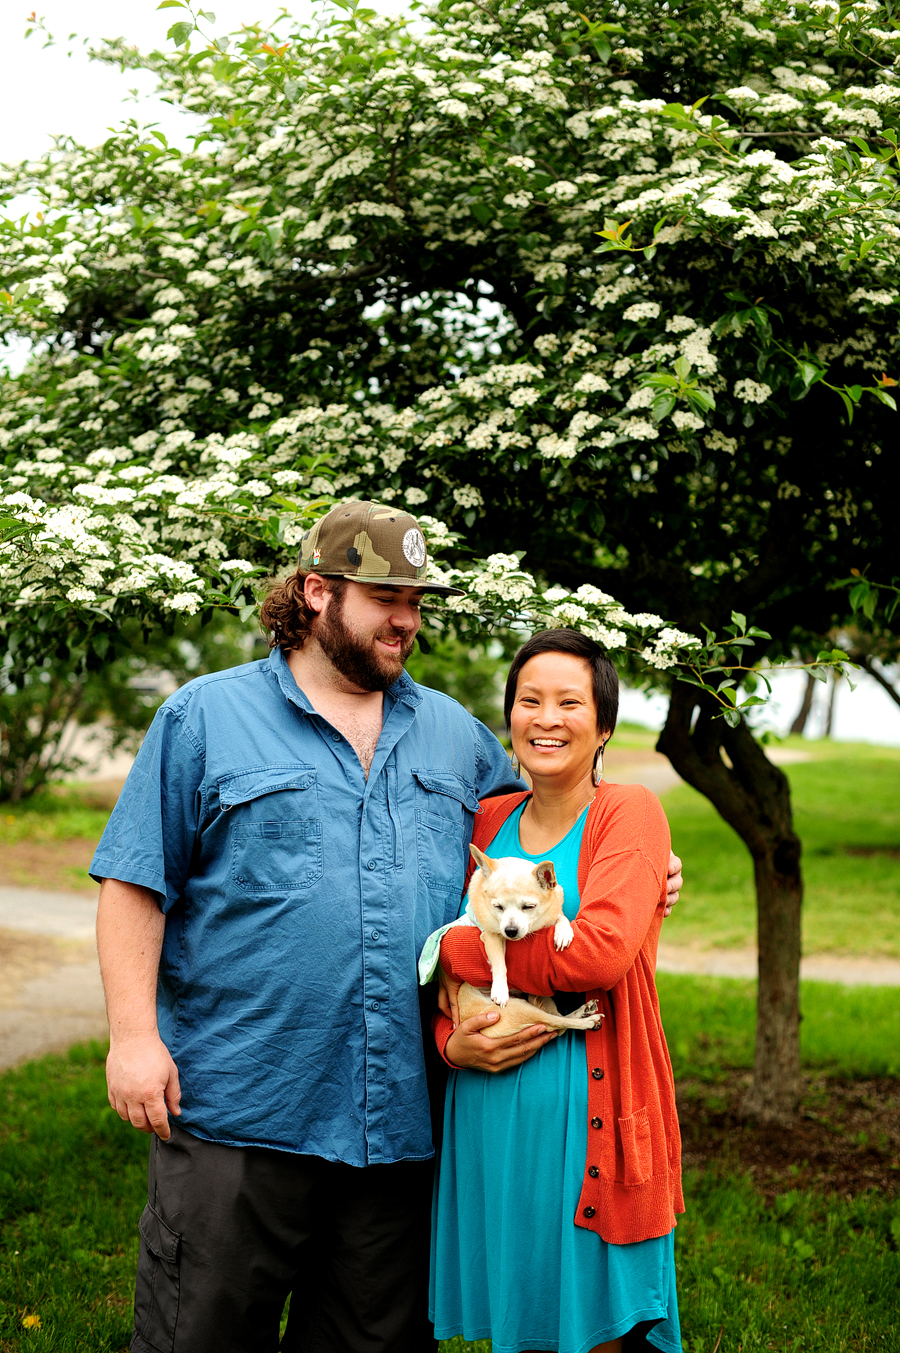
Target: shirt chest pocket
275	830
444	806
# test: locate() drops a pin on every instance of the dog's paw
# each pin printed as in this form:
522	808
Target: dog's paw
500	994
563	934
590	1013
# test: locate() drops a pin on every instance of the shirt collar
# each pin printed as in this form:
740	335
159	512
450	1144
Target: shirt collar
404	688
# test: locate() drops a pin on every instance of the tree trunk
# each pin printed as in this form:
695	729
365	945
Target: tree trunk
831	698
753	797
803	712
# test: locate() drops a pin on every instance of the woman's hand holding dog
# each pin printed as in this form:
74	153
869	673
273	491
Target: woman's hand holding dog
467	1046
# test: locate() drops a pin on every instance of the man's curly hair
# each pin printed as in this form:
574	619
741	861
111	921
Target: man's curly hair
285	617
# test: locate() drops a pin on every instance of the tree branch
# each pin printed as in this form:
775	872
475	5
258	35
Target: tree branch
865	661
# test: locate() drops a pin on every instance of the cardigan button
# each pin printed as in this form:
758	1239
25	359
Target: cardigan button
596	1122
594	1172
597	1073
589	1211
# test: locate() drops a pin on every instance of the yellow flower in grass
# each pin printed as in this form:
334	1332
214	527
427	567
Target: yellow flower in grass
31	1322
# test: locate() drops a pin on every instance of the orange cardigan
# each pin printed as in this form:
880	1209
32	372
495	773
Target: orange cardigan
632	1179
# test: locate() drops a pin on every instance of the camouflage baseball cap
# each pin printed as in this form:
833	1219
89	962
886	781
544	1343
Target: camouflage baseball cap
370	543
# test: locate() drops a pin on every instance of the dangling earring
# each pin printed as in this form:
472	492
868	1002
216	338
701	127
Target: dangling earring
514	762
597	769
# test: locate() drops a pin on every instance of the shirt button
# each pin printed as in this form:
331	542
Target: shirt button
594	1172
376	934
589	1211
335	737
374	1005
597	1073
371	864
596	1122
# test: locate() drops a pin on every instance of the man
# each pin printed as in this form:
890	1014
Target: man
291	832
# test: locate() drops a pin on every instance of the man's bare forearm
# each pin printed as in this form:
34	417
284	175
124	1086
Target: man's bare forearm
130	929
141	1077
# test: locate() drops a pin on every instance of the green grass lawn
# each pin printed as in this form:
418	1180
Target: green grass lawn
710	1023
59	813
847	808
789	1270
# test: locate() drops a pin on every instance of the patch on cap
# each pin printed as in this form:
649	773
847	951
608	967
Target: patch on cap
414	547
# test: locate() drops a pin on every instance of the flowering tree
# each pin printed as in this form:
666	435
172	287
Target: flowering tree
619	295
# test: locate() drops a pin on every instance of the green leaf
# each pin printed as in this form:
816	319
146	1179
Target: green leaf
858	594
739	620
692	681
207	14
662	406
886	399
810	372
847	405
171	4
701	401
731	717
603	49
482	212
180	32
245	612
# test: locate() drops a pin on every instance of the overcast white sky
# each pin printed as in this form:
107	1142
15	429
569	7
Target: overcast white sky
47	91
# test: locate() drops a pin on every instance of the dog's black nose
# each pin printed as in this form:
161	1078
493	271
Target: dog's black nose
512	932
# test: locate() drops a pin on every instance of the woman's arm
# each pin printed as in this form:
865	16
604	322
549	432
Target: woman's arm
621	896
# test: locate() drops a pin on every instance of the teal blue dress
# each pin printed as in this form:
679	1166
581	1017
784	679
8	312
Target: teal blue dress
508	1262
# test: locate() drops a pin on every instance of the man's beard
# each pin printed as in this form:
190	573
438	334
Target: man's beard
357	660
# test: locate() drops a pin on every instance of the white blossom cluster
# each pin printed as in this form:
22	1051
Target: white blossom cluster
182	442
499	592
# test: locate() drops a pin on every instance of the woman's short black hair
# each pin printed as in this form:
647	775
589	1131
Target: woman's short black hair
604	677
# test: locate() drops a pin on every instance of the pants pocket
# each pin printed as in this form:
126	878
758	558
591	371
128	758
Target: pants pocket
636	1149
157	1287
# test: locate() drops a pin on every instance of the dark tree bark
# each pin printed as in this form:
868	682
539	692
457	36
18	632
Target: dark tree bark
803	712
753	796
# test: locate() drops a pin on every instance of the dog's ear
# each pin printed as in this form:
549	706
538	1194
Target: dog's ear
484	862
545	875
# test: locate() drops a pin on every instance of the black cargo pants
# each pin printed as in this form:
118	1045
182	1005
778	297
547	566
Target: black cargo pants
229	1232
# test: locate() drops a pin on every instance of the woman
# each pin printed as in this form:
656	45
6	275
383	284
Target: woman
559	1178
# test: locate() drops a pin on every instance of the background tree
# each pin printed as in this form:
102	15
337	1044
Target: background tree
379	272
114	692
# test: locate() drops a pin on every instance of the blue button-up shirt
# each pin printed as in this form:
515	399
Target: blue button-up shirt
297	895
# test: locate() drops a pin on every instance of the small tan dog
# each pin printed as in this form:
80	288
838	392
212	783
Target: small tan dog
510	899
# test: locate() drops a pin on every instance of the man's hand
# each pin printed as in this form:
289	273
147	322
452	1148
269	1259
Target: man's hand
675	883
142	1083
467	1046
